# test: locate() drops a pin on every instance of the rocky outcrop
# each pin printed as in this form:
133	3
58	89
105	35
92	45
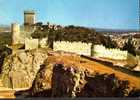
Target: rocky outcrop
42	85
58	80
20	68
67	81
4	51
104	85
57	74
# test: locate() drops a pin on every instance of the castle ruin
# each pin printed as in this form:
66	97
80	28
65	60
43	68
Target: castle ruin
15	29
24	36
29	20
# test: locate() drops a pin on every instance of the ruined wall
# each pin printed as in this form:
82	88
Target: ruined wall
43	43
29	20
101	51
75	47
18	36
15	29
31	44
19	69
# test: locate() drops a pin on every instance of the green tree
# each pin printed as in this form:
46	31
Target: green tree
110	43
129	46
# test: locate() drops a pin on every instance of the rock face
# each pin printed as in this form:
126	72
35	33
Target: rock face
55	77
105	86
4	51
67	81
58	80
42	85
20	68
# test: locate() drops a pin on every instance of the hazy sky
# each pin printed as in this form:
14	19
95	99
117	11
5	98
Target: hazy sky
116	14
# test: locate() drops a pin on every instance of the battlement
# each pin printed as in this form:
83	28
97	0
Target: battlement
111	53
74	47
29	12
29	20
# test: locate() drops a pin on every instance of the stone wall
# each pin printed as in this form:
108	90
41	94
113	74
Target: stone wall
19	69
18	35
43	43
75	47
101	51
31	43
15	30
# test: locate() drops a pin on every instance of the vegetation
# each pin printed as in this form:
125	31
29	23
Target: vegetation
68	33
109	43
129	46
4	51
72	33
40	32
5	38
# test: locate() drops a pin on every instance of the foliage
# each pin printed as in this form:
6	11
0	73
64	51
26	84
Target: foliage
129	46
40	32
109	43
72	33
4	51
5	38
69	33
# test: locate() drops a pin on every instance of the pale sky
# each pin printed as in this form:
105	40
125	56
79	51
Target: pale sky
115	14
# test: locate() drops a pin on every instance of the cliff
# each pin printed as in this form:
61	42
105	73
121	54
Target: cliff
60	74
69	75
19	69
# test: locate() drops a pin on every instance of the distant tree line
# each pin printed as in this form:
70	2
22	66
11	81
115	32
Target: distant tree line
129	46
5	38
73	33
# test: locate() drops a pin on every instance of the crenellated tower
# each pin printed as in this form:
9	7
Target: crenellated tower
29	20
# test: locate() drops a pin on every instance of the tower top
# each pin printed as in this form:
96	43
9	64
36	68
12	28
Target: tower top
29	12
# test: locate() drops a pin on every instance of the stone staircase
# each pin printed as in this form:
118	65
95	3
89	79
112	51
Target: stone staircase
6	92
1	84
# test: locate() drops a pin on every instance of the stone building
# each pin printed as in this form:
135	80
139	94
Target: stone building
15	30
29	20
23	36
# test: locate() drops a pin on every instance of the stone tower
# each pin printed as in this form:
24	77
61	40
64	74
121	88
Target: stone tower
29	20
15	29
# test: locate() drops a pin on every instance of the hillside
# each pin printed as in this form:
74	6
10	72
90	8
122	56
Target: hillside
44	68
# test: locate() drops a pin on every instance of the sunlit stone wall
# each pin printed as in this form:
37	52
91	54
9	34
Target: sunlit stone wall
43	43
15	30
112	53
75	47
31	44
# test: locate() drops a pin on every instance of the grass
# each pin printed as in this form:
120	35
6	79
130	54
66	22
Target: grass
5	38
